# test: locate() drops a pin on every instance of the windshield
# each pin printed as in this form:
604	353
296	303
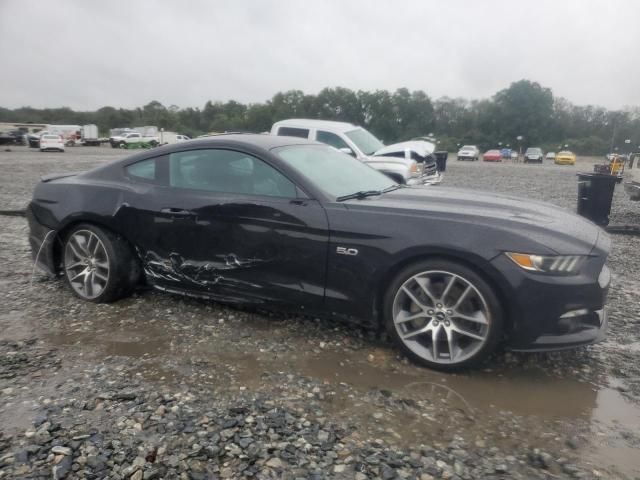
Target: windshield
365	141
468	147
533	150
335	173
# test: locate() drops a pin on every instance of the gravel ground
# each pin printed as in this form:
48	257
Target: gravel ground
159	386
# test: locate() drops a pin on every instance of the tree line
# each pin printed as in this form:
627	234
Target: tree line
524	109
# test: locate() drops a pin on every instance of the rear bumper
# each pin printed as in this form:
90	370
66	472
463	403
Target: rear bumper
41	241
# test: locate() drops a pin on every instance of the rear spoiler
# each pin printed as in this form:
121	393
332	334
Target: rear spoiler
56	176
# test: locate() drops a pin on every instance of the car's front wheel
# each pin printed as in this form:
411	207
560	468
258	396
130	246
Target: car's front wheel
443	315
99	266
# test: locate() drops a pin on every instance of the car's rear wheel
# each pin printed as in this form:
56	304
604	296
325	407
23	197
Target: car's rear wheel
443	315
99	266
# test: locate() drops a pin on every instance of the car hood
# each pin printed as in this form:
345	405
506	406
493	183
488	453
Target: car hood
421	147
550	226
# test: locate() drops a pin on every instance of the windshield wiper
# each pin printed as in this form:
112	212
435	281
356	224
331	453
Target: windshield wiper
367	193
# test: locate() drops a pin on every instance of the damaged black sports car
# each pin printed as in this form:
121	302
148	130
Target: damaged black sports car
291	224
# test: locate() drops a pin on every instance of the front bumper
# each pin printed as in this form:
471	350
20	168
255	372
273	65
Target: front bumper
430	178
549	312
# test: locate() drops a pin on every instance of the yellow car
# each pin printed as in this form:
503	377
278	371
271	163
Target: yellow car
565	158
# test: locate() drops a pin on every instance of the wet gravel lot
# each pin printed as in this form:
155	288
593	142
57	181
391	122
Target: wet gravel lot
160	386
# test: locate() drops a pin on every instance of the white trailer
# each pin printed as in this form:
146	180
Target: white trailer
89	135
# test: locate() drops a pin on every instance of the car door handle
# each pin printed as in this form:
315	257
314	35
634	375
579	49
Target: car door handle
177	212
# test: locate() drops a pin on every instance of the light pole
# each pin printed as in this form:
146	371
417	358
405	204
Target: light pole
519	138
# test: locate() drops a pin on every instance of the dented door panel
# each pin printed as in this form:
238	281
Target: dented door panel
259	249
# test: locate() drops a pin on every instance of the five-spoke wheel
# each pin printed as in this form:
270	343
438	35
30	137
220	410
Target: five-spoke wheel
98	265
86	264
443	314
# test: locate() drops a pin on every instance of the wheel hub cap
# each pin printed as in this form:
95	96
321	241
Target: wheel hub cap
441	316
86	264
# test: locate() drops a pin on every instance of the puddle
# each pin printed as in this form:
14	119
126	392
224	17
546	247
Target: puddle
382	396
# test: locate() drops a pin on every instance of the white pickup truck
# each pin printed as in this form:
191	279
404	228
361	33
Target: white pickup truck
410	163
133	140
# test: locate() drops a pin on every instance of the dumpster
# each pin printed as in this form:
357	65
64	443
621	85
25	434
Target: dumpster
441	160
595	193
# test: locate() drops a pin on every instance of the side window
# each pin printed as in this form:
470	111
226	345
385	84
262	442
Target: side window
331	139
145	170
293	132
227	171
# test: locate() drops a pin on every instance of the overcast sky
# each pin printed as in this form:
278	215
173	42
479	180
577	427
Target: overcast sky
87	54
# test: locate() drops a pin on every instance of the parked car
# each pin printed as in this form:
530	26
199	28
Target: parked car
514	156
51	142
492	156
533	154
565	158
550	156
12	137
69	133
300	226
469	152
409	162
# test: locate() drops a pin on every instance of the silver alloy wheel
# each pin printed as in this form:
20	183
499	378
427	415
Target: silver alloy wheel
441	317
86	264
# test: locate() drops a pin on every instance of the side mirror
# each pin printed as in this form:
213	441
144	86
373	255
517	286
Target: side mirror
348	151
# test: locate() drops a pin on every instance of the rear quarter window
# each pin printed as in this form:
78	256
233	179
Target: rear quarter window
144	170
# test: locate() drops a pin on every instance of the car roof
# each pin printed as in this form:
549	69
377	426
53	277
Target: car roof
255	140
244	141
311	123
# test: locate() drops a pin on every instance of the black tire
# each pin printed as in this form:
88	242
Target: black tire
153	143
124	270
494	327
123	145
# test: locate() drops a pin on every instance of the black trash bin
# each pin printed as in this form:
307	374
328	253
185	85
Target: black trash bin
441	160
595	193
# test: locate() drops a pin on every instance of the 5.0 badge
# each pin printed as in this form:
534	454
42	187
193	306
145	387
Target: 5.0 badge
346	251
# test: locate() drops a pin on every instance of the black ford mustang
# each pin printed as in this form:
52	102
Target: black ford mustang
291	224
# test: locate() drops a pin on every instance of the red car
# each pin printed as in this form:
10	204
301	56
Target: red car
492	156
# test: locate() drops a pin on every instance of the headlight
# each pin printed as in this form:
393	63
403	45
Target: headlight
554	264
